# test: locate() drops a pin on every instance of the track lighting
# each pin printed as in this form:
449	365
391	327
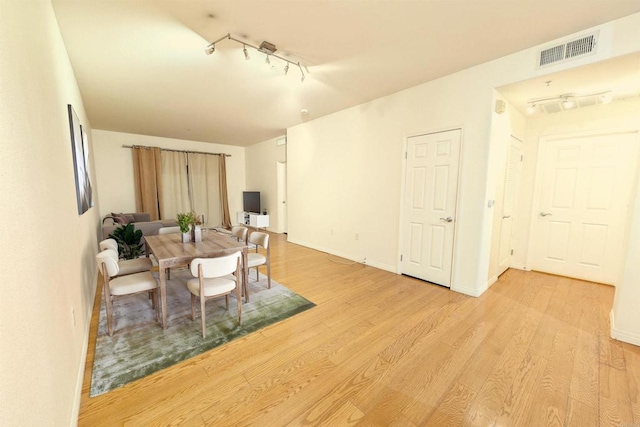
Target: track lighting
531	108
568	103
267	48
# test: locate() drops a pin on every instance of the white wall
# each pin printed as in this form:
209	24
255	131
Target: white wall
625	315
48	267
114	168
345	170
261	171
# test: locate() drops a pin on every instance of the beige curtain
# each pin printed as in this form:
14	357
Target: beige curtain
174	184
148	186
224	198
204	183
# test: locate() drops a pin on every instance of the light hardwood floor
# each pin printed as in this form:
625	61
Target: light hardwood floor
382	349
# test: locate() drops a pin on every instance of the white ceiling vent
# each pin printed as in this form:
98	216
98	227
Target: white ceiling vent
576	48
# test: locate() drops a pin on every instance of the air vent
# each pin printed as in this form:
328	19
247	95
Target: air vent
572	49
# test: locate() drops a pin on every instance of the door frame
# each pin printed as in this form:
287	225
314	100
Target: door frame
537	189
403	185
515	208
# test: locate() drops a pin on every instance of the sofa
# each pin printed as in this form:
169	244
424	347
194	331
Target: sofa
141	221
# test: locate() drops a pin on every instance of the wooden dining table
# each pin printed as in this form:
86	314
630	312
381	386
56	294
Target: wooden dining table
169	251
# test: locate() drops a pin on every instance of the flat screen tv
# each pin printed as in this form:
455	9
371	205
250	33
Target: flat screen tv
251	201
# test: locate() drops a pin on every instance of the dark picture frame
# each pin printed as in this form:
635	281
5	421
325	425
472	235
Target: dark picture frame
80	151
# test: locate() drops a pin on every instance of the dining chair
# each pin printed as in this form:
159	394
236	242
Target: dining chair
240	233
127	266
117	285
213	279
256	259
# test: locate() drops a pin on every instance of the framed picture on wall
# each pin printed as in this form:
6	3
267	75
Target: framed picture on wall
80	161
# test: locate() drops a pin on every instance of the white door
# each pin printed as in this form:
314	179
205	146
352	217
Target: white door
512	179
429	211
584	194
281	171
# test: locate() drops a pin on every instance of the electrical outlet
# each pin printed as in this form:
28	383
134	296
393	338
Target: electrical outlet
332	231
364	261
357	236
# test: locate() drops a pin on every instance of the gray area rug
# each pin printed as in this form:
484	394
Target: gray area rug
140	347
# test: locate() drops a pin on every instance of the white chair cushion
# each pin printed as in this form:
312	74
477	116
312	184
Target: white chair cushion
212	287
109	244
254	260
138	265
124	285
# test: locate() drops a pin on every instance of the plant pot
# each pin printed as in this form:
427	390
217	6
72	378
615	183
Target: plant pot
186	237
196	234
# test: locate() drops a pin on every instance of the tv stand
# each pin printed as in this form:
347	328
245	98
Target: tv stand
254	220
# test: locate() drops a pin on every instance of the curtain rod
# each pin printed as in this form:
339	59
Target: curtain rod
177	151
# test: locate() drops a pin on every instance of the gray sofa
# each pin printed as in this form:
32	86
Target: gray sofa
141	221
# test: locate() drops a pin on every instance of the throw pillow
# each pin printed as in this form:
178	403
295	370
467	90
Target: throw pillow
129	218
119	218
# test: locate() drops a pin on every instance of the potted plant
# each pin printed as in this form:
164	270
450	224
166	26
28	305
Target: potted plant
196	228
128	239
184	222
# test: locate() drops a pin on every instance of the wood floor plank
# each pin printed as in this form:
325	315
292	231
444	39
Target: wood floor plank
381	349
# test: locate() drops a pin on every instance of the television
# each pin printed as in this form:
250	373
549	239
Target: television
251	201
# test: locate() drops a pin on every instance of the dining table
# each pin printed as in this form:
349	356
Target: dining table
170	251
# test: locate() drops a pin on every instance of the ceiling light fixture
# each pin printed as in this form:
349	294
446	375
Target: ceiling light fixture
567	103
265	47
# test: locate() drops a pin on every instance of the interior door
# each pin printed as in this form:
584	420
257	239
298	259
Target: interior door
281	170
585	191
512	179
429	211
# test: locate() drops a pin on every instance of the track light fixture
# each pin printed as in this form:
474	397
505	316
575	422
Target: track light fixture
301	72
265	47
567	101
531	108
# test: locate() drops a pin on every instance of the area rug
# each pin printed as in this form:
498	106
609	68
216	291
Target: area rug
140	347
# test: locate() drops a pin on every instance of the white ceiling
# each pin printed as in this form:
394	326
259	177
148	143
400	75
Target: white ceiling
142	69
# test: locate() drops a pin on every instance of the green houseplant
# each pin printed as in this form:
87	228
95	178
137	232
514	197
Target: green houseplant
185	220
128	239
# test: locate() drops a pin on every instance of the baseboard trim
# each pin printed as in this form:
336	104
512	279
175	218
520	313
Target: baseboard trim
472	292
491	281
75	410
616	334
350	257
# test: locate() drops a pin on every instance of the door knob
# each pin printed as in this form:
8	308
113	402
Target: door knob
506	216
545	214
447	219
